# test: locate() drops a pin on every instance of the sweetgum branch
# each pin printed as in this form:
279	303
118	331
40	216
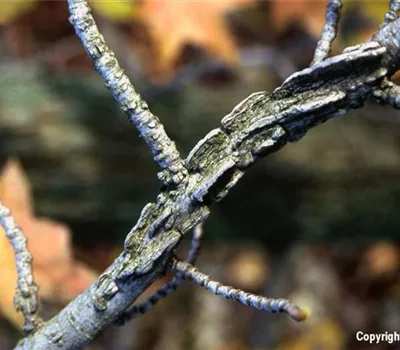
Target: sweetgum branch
257	126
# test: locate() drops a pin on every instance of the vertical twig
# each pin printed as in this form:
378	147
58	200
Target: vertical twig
392	15
26	297
149	126
198	232
329	32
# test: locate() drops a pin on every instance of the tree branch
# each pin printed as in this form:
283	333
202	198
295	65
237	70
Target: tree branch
168	288
190	272
388	36
149	126
392	15
259	125
388	93
26	297
329	32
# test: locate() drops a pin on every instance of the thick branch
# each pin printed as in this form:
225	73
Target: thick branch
149	126
26	297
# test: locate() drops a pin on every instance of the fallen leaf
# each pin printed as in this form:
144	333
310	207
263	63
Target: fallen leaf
173	24
59	277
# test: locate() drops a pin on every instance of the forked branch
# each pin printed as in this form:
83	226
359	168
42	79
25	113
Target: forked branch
168	288
259	125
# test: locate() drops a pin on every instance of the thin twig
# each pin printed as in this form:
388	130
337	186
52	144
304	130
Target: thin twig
256	301
329	32
195	247
149	126
394	5
140	309
392	15
26	297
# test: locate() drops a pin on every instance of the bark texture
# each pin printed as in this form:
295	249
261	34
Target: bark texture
257	126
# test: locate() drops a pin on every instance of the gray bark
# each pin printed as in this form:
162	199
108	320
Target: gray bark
259	125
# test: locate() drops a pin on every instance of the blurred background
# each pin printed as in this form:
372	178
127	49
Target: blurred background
318	222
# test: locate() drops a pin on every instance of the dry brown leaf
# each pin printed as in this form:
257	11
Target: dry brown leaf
173	24
59	276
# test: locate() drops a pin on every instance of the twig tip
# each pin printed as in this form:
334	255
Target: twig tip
297	313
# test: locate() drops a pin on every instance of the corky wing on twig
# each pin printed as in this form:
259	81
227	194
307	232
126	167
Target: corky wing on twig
168	288
259	125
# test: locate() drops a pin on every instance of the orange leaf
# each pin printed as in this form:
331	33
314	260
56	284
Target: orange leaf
173	24
59	277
